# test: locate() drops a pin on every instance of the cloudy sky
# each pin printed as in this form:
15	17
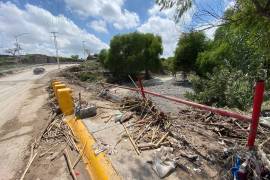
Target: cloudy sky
96	22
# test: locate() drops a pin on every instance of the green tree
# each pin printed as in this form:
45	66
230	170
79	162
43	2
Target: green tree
151	53
238	56
168	65
75	57
134	52
258	7
103	55
188	48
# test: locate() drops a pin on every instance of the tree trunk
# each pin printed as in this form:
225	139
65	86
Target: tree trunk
147	75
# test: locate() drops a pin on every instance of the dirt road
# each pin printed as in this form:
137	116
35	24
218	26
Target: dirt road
22	96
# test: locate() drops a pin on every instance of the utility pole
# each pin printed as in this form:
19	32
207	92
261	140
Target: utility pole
56	48
84	49
18	46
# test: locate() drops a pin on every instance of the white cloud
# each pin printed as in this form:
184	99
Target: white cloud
165	28
210	33
229	4
109	10
162	23
39	23
156	10
99	26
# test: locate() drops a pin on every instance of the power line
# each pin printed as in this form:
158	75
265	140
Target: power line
56	48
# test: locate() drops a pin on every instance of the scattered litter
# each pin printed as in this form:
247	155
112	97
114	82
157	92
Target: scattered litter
100	147
265	121
106	94
117	116
163	163
197	170
86	112
123	117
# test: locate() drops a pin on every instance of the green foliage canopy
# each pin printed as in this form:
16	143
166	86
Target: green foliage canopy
75	57
188	48
103	55
134	52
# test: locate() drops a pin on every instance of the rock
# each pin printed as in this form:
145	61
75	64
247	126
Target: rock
87	112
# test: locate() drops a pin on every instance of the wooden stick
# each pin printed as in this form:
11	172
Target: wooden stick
154	133
28	166
80	156
44	130
48	150
145	129
104	107
162	138
72	173
151	145
131	140
110	117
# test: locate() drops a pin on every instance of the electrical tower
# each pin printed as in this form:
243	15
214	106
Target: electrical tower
56	48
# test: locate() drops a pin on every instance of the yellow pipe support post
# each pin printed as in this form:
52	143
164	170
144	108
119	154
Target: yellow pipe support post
65	101
98	165
57	87
54	84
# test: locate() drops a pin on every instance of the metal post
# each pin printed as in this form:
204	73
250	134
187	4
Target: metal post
84	49
257	103
56	48
141	86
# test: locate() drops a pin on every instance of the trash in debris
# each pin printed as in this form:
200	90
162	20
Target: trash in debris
105	93
197	170
265	121
123	117
38	70
117	116
201	140
163	162
86	112
100	147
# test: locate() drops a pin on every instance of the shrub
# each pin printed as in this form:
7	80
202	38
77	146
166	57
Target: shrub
224	87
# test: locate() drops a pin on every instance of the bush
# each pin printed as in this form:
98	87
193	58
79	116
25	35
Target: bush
224	87
87	76
167	64
103	55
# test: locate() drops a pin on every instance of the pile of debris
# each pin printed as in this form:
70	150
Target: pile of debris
55	140
197	140
151	128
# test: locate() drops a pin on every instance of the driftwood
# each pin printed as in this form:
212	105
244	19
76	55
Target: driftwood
263	155
162	139
72	173
80	156
131	140
51	119
31	159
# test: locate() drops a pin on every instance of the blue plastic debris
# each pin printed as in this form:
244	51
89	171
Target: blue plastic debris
236	168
